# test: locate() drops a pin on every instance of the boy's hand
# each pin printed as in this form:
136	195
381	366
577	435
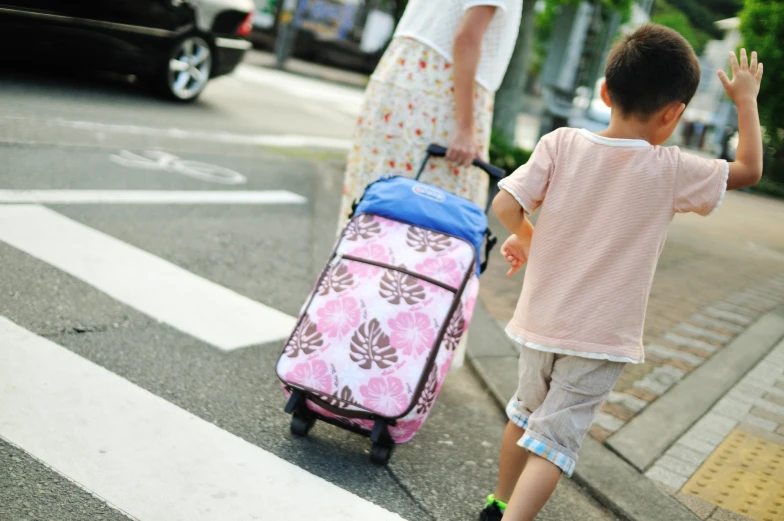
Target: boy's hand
746	77
515	250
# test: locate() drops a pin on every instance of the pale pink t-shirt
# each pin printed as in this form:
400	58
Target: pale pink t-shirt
606	205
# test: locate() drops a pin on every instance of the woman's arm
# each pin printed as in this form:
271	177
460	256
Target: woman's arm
466	52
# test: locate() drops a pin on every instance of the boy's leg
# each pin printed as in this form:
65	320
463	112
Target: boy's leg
535	368
556	429
511	463
533	489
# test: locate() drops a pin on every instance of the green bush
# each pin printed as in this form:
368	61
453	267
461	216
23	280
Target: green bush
772	182
506	155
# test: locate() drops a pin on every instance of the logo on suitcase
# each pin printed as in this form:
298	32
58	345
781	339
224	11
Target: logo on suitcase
429	192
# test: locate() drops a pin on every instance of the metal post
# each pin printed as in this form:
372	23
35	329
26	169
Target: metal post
287	31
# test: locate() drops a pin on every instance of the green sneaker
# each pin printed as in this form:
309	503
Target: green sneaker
493	511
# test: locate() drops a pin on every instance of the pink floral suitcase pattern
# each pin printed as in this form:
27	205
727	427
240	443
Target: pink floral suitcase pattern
376	337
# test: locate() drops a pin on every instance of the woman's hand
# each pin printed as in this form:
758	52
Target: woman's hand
463	148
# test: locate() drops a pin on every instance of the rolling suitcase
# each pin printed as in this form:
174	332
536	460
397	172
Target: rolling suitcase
375	338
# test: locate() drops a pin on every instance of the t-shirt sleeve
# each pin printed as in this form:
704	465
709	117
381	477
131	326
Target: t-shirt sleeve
528	184
700	184
502	4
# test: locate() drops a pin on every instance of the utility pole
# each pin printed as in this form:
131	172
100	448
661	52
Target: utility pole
288	26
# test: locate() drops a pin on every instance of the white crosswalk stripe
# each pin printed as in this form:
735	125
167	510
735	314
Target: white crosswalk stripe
144	455
166	292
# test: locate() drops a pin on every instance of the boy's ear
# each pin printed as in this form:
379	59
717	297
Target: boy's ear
605	94
673	112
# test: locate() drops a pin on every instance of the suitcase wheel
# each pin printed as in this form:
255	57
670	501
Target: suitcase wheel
380	453
301	425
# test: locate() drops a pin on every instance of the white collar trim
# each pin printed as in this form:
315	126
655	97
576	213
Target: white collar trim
614	142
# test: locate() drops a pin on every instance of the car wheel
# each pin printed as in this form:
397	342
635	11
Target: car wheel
187	71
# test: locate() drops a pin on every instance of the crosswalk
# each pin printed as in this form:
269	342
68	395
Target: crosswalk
120	442
105	433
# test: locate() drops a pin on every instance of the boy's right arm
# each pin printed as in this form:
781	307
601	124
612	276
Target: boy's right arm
746	170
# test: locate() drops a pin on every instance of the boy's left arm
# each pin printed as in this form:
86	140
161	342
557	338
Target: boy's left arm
517	247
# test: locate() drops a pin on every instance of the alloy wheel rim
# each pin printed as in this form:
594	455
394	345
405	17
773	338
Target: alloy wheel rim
189	68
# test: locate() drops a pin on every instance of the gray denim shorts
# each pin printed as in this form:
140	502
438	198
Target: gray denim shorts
557	400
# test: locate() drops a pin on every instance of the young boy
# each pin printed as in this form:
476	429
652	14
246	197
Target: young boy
606	202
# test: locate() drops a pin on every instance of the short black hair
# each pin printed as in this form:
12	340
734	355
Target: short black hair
650	68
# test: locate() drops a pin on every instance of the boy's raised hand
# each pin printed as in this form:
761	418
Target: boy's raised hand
746	78
515	250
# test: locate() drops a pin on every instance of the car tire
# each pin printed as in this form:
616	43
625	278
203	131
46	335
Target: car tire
186	72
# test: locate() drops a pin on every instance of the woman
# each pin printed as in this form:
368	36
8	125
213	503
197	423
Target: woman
435	84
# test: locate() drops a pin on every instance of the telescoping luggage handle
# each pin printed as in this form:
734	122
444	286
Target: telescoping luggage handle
495	173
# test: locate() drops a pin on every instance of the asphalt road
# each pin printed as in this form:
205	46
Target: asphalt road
58	133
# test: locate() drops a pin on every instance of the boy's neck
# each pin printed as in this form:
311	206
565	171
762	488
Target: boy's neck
629	128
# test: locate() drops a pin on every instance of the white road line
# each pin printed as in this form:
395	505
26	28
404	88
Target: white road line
279	141
143	281
148	197
144	455
337	97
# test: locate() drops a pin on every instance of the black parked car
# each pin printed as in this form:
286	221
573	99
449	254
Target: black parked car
178	45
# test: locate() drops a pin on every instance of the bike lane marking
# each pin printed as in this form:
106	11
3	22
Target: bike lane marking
149	284
143	455
149	197
164	161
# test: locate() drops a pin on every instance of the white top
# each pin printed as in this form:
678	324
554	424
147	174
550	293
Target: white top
435	23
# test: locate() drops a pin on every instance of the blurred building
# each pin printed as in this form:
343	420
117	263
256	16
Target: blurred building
711	116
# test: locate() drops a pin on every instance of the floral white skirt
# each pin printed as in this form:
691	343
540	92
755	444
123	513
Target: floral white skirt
409	103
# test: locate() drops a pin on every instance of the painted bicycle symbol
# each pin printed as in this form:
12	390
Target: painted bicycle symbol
158	160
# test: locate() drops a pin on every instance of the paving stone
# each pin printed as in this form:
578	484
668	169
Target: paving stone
729	316
773	437
642	394
769	406
600	434
668	352
766	414
618	410
762	423
666	477
740	310
721	325
701	509
677	466
661	379
697	445
693	343
680	364
608	422
701	332
722	514
752	301
713	422
632	403
780	385
775	398
780	430
732	408
684	453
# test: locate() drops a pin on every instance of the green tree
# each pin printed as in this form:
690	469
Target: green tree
762	28
669	15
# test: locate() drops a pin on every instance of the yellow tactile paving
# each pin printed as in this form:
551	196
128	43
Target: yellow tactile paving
744	474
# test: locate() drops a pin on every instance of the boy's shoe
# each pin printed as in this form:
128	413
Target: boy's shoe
493	511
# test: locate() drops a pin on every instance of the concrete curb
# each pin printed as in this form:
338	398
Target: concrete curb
611	480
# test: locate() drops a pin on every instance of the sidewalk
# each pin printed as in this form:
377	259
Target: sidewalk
714	314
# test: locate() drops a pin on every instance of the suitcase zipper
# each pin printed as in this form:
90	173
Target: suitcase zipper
408	272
